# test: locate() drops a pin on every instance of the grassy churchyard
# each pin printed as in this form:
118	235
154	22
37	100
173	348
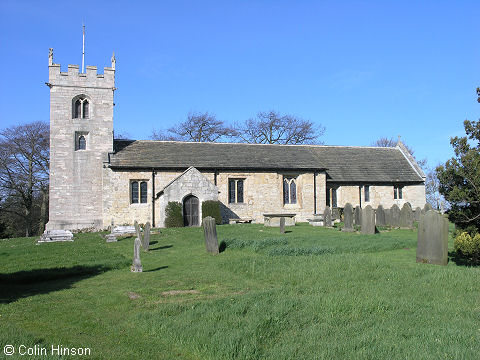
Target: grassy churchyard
312	293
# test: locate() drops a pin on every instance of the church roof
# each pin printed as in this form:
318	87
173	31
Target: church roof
342	163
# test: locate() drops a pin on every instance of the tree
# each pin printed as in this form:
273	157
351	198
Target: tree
460	179
432	185
391	142
272	128
24	166
199	127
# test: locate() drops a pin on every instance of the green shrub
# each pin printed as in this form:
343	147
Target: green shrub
212	208
173	215
468	247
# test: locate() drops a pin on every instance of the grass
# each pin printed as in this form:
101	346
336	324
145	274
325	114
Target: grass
312	293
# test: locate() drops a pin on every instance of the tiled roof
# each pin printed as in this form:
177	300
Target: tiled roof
343	163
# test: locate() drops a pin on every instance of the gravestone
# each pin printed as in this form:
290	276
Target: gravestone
432	239
335	213
388	221
210	232
137	264
282	225
137	230
406	217
427	207
417	213
327	217
368	221
146	237
348	218
358	215
394	216
380	217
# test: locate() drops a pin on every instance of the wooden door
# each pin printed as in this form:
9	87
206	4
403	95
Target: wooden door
190	211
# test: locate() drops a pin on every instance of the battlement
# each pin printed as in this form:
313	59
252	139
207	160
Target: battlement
73	77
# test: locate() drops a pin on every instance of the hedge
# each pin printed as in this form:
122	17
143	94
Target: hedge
212	208
173	215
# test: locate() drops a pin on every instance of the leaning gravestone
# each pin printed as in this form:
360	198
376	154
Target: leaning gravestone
327	217
427	207
432	239
394	216
417	213
146	237
335	214
210	232
368	221
137	265
282	225
406	217
348	218
358	215
380	219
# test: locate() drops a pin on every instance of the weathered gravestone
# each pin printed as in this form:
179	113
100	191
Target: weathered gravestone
210	232
137	230
335	214
417	213
282	225
387	217
406	217
358	215
146	237
427	207
368	221
348	218
380	219
394	216
432	239
137	265
327	217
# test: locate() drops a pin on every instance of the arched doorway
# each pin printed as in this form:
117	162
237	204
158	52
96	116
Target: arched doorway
190	211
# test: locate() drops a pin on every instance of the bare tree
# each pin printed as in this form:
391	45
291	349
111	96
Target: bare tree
24	167
272	128
432	184
391	142
199	127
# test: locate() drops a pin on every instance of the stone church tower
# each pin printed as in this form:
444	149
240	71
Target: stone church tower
81	137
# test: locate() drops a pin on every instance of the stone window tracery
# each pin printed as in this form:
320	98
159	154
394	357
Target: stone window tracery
235	191
81	107
289	191
138	192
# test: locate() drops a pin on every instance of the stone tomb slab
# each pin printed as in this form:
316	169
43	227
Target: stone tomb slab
273	220
55	235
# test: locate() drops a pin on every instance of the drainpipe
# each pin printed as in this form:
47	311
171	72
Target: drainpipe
314	192
360	195
153	197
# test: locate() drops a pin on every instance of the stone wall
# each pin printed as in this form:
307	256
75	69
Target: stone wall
381	195
263	193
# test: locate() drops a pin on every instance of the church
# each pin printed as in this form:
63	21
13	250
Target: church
96	179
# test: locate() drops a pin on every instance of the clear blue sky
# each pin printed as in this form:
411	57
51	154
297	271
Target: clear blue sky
363	69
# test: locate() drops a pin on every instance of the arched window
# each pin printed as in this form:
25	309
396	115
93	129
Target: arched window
82	143
289	191
85	109
81	107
